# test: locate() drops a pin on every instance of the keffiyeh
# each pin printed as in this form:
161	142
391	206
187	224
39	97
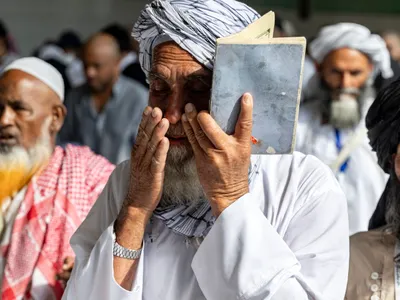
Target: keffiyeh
195	25
354	36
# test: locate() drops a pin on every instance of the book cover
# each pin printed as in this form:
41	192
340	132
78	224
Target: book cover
269	69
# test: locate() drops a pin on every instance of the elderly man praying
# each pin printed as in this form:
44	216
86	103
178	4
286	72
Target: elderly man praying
193	215
45	191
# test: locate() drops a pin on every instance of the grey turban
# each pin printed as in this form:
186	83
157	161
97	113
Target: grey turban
383	123
354	36
195	25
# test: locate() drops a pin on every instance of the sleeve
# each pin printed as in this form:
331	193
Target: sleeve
243	256
93	273
93	276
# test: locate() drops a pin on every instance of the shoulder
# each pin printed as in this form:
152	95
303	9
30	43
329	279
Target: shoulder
301	178
87	160
132	85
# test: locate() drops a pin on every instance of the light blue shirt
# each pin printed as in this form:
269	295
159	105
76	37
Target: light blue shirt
112	132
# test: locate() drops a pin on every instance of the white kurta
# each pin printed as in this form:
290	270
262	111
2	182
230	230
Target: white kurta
363	181
286	239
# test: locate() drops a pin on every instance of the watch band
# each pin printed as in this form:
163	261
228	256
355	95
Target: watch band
123	252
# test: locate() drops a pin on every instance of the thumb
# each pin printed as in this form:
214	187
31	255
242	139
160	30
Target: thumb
244	124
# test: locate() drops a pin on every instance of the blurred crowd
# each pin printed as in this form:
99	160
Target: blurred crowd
78	105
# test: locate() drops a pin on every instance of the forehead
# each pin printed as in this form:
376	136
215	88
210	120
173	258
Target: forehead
17	85
169	59
347	58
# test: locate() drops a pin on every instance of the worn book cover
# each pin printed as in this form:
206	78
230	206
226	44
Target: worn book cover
271	70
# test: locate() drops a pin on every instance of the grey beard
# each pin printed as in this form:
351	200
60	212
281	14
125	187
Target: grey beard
181	181
392	214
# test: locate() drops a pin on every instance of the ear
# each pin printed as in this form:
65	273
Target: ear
396	162
57	119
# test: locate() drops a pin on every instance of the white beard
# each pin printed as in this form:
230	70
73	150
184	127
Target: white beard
344	112
28	160
181	182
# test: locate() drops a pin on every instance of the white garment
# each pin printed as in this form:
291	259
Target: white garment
75	72
363	181
286	239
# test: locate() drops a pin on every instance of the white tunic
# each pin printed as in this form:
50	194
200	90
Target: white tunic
363	181
286	239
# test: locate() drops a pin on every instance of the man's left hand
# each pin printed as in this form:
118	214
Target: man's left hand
222	160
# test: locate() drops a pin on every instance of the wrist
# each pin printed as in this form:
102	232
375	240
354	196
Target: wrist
130	227
222	201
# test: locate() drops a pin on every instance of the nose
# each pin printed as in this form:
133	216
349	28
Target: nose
346	80
7	116
175	107
90	72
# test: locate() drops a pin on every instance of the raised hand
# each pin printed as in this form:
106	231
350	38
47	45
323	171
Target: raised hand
222	160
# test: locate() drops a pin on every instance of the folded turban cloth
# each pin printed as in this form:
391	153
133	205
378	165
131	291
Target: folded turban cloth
383	124
354	36
195	25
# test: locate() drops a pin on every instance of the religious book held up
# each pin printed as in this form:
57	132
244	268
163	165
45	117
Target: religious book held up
271	70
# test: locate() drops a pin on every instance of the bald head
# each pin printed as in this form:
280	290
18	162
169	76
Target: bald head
392	40
27	106
101	57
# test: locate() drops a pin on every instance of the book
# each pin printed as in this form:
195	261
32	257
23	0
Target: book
270	69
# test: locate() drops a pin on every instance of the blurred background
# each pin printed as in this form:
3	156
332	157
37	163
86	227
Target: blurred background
32	22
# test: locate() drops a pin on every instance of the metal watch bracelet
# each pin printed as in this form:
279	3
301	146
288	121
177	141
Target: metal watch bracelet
123	252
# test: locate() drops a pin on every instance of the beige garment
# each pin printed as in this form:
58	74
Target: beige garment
371	272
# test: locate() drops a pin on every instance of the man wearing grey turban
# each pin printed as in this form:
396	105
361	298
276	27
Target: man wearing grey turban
377	251
193	215
331	122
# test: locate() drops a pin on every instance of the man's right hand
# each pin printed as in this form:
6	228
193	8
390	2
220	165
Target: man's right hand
145	188
148	162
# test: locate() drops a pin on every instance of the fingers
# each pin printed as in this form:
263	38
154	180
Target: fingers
245	121
160	156
157	136
151	117
194	132
68	263
63	276
212	130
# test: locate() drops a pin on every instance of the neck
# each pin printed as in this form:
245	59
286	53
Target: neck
100	98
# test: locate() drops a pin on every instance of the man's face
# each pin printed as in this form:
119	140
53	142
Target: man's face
25	104
176	79
345	68
101	67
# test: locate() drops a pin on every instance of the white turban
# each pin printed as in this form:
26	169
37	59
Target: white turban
195	25
41	70
354	36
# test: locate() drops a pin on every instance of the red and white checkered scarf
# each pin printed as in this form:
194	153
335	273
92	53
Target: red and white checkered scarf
54	206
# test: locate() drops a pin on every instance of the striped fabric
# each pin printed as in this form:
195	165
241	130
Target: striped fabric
195	25
195	221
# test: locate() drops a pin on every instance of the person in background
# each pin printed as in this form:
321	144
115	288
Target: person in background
130	66
331	123
192	205
374	255
7	56
64	56
45	191
392	40
105	113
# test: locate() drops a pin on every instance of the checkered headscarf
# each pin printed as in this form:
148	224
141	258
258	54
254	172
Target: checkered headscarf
195	25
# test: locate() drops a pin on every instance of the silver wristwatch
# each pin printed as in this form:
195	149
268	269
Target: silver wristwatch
122	252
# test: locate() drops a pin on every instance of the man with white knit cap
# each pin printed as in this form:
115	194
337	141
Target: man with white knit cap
45	191
331	124
193	215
